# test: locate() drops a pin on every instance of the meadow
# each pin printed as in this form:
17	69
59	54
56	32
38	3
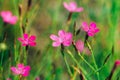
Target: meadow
59	40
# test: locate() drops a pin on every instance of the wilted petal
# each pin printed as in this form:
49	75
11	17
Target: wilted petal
79	45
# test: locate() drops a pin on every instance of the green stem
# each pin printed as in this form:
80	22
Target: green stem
93	60
2	58
64	57
67	65
84	72
86	61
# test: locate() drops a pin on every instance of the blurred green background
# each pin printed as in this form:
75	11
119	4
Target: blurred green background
48	16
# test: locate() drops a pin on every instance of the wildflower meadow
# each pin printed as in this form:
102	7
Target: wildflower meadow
59	40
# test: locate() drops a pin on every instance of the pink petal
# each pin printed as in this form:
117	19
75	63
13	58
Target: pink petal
73	5
20	65
32	38
66	6
92	25
68	36
27	68
90	33
56	44
24	44
61	33
97	30
117	62
79	45
4	14
14	70
85	26
67	43
32	43
13	20
79	9
54	37
26	73
37	78
21	40
9	79
25	36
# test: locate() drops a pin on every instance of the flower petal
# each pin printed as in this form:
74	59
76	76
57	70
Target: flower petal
79	9
32	38
68	36
67	43
61	33
56	44
14	70
73	6
32	43
66	6
85	26
79	45
54	37
25	36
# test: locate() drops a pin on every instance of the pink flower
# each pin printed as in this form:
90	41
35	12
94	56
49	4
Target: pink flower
8	17
72	7
28	40
21	70
62	38
37	78
79	45
117	62
90	29
8	79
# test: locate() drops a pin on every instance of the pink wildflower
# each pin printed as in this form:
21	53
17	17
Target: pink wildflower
8	79
91	30
21	70
117	62
28	40
79	45
72	7
8	17
62	38
37	78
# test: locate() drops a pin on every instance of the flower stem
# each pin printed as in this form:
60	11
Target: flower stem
86	61
67	65
93	59
84	72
